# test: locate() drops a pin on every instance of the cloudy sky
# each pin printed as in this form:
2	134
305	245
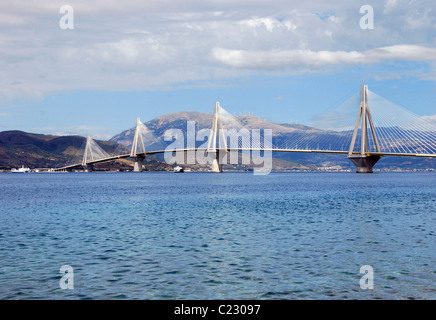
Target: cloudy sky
286	61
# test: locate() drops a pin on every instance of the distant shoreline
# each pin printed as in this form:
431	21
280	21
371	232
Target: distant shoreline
241	171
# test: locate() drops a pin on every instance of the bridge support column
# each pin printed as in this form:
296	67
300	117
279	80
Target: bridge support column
364	164
216	166
363	159
217	141
137	167
88	167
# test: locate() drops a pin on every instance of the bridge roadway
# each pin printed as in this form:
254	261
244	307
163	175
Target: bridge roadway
124	156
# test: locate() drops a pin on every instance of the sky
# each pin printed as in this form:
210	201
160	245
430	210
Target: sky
284	61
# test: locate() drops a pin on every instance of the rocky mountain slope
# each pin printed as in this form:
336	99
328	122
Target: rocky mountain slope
282	132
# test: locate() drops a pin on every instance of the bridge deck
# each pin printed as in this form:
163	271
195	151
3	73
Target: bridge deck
124	156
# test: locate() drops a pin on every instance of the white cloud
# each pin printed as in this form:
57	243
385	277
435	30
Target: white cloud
268	23
390	6
139	45
280	58
430	118
81	130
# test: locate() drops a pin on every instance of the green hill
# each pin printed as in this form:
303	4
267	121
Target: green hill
19	148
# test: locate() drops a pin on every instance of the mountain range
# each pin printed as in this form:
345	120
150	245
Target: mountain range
282	132
47	151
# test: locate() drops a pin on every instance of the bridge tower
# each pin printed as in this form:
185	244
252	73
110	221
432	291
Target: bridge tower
88	167
138	142
217	145
363	160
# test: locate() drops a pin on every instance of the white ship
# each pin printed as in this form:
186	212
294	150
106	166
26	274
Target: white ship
20	170
178	169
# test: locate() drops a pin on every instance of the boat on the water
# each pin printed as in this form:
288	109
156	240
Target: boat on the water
178	169
20	170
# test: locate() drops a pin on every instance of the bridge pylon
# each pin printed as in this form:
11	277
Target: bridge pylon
363	160
88	154
217	145
138	142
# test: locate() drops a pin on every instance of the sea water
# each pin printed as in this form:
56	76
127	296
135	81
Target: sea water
217	236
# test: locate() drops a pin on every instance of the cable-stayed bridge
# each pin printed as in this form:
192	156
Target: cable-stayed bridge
365	128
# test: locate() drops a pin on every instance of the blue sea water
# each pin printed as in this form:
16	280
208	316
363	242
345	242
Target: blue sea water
218	236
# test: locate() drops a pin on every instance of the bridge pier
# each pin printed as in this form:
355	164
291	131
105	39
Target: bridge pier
216	165
88	167
137	167
364	164
364	161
